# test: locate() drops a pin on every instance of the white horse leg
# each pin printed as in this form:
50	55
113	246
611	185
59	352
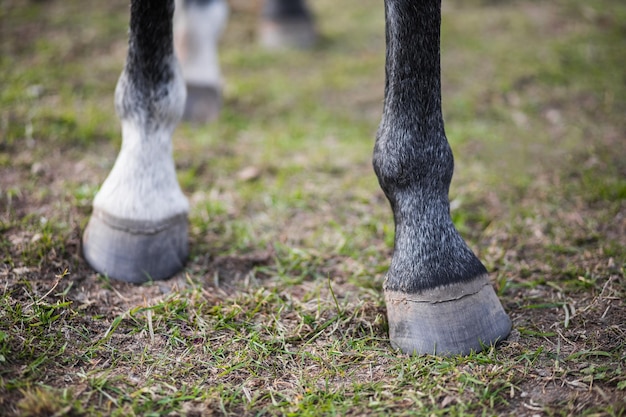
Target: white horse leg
198	25
138	229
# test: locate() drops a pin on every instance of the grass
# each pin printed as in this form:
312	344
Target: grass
279	310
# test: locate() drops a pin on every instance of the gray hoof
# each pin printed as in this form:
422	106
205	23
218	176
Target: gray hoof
446	321
203	103
296	33
135	251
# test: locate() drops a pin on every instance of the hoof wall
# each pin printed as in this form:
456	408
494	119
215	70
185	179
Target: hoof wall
451	320
135	251
203	103
287	34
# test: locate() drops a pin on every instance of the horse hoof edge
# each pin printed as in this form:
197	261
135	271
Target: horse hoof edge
136	251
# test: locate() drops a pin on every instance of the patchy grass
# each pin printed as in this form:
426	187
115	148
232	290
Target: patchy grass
279	310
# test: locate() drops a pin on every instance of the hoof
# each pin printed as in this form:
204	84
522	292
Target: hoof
451	320
287	34
203	103
135	251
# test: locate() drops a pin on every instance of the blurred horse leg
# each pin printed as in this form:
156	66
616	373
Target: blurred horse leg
286	24
198	26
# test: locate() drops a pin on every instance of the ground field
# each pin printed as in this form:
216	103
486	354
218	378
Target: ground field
279	310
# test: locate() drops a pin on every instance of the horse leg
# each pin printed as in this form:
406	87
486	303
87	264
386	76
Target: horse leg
286	24
438	295
138	228
198	25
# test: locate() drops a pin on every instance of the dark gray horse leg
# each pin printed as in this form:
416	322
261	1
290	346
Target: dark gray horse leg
439	299
198	25
138	229
286	24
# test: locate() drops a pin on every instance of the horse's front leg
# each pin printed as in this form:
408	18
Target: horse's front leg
138	229
438	295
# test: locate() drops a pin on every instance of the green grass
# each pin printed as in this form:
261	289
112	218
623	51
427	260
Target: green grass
279	310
